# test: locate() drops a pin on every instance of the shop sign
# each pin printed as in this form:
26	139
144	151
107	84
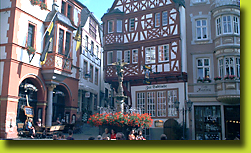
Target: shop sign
87	94
159	123
204	89
158	86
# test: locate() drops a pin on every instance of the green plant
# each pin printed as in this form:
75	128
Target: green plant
43	6
35	2
31	50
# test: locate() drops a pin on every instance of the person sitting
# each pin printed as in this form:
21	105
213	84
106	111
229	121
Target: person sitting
58	122
140	136
99	137
70	132
113	135
61	136
30	128
39	123
63	121
131	136
120	136
106	134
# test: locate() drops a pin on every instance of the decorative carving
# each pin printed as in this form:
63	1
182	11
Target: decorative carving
51	87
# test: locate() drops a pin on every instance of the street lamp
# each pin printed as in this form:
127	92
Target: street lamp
188	107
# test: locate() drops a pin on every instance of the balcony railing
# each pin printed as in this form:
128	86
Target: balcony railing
218	3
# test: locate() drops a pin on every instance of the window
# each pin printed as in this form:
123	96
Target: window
119	56
229	61
163	53
134	56
227	27
109	57
69	11
141	102
67	43
171	97
85	68
96	76
161	103
86	42
97	52
151	103
164	18
238	67
131	24
119	25
150	55
218	26
157	19
221	68
92	47
92	28
63	8
60	41
95	104
91	73
31	35
127	56
110	26
236	25
203	68
201	29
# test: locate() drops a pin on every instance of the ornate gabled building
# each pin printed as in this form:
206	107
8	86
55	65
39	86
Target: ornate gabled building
213	46
50	89
148	34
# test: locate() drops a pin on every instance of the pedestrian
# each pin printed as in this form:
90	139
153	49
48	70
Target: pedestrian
70	132
163	137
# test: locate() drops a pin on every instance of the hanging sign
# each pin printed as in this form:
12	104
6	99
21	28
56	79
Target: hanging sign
28	111
87	94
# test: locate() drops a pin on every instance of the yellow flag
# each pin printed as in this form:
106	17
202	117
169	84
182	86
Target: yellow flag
78	38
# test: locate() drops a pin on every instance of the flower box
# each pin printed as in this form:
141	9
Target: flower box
31	50
231	77
206	80
217	78
35	2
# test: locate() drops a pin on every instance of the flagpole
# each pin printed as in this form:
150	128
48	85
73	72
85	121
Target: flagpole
49	25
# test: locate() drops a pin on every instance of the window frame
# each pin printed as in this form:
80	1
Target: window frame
135	56
61	41
67	46
203	67
33	35
159	53
119	27
163	18
109	52
108	26
150	56
157	19
126	54
119	52
201	27
91	73
85	69
132	24
96	76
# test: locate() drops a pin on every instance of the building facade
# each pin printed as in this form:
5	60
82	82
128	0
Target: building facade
213	46
91	81
49	88
148	34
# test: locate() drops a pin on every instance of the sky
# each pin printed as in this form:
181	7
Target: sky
98	7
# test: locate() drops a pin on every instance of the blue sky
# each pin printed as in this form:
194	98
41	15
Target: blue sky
98	7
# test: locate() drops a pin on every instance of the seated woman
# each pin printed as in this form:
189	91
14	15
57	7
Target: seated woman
140	136
30	128
113	135
39	123
131	136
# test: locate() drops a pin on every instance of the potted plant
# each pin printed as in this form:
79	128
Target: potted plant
31	50
206	79
199	80
231	77
217	78
43	6
35	2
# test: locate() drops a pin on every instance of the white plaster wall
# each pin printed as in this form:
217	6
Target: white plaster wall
181	94
4	27
5	4
75	16
35	10
23	23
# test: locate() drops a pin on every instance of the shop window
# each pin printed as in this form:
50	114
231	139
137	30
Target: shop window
141	102
171	98
151	103
161	103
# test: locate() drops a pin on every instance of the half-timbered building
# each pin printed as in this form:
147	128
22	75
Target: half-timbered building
148	34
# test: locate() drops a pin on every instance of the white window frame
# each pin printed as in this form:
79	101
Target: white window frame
119	25
203	67
225	68
201	27
135	56
164	19
109	62
119	56
171	98
112	28
218	26
238	66
157	18
162	52
141	102
151	103
86	42
227	24
127	56
161	103
221	67
229	65
150	55
131	24
236	24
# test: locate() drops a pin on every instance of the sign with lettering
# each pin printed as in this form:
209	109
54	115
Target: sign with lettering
28	111
158	86
87	94
204	89
158	123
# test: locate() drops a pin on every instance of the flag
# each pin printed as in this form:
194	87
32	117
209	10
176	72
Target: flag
49	39
78	37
